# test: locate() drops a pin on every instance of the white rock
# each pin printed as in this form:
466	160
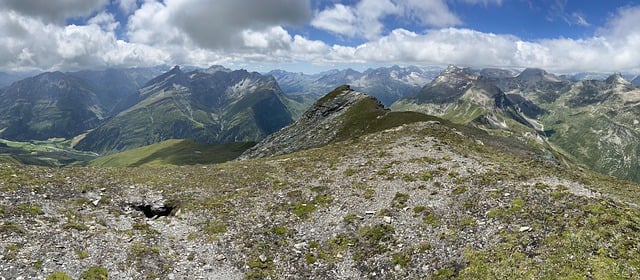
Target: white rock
300	245
525	228
387	219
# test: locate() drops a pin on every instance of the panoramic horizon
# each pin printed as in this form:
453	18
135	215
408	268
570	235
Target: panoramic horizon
311	36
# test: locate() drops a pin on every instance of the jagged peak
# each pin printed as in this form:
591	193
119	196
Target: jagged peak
451	68
175	70
616	78
455	75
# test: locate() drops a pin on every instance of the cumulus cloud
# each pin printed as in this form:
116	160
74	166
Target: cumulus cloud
30	43
365	19
340	19
54	11
433	13
214	24
197	33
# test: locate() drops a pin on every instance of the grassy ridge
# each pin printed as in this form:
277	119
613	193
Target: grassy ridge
174	152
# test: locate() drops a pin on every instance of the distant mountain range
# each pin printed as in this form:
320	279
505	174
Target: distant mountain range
387	84
592	122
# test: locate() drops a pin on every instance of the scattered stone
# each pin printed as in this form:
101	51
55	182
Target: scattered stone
300	245
524	228
262	258
370	212
220	257
387	219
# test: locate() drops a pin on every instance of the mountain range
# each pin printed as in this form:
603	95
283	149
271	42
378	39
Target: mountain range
350	189
387	84
375	194
594	122
217	107
591	122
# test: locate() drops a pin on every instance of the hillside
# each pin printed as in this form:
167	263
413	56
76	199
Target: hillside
46	106
209	107
56	104
420	201
176	152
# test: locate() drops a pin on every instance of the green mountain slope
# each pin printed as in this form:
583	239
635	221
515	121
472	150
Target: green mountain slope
46	106
56	104
597	123
173	152
218	107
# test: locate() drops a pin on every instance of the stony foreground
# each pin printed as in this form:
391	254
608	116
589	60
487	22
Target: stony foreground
419	201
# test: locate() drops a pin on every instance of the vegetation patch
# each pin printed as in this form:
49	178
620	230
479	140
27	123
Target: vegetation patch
95	273
373	240
400	200
58	275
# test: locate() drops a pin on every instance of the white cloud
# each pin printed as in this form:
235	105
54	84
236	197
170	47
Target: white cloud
365	19
105	20
434	13
340	19
579	19
217	24
272	38
30	43
127	6
53	11
156	34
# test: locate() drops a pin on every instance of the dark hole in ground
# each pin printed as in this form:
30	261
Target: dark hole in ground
151	211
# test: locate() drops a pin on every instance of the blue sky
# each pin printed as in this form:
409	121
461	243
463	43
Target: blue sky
313	35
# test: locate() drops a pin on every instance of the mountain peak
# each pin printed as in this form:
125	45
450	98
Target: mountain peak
455	75
616	78
324	122
173	76
534	75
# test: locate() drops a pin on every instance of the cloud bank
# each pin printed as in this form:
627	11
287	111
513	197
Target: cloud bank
277	32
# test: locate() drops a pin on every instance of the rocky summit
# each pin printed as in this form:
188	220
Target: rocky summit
318	126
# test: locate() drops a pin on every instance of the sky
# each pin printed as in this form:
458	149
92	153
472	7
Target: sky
562	36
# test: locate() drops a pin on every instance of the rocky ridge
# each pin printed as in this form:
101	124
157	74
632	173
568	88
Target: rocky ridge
318	126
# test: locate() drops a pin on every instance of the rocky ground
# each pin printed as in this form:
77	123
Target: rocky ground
414	202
